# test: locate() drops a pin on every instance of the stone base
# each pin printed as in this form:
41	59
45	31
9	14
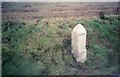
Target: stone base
80	56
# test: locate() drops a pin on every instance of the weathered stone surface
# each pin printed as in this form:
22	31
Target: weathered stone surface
79	43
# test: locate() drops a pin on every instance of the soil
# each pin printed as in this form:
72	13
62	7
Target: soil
31	11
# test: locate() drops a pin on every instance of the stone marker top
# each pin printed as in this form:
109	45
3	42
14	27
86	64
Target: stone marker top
79	29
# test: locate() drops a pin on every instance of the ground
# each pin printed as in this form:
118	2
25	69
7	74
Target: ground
44	47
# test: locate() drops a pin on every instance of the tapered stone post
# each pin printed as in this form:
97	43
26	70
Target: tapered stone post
79	43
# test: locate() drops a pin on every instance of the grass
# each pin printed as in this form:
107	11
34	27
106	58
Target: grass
45	48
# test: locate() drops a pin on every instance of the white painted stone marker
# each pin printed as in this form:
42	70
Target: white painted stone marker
79	43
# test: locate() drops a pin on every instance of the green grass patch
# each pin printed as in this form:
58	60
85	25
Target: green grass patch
45	48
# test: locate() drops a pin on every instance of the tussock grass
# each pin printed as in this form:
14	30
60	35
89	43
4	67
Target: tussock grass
45	48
